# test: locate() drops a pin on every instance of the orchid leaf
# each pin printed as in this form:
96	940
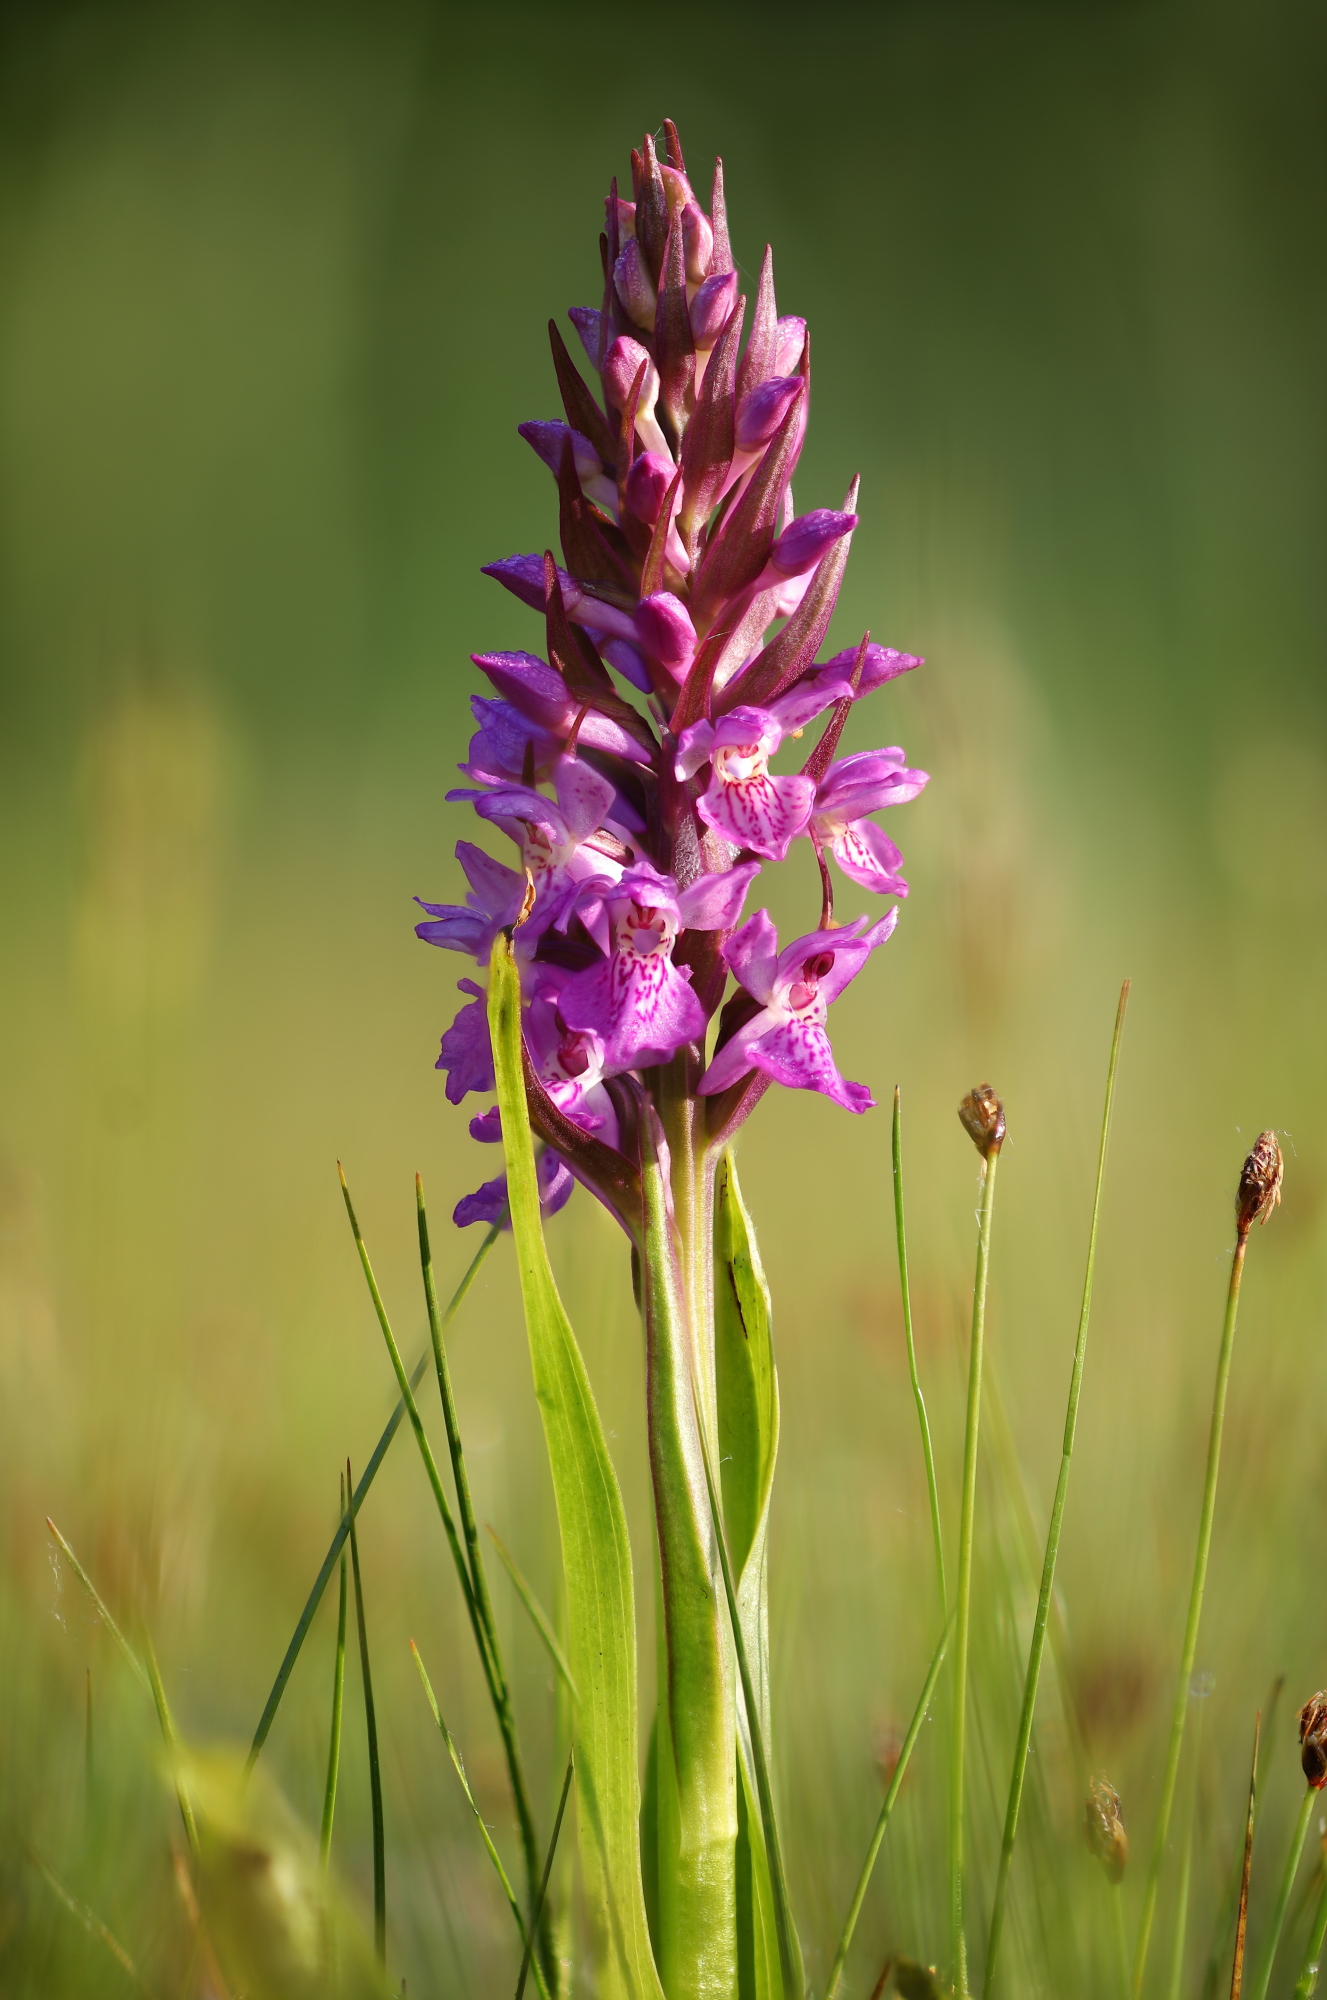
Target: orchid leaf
596	1554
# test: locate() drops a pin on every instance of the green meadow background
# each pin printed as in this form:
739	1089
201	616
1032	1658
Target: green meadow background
274	287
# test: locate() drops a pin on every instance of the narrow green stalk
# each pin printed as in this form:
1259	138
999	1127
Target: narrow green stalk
1116	1895
923	1421
485	1835
543	1880
91	1923
477	1604
538	1616
895	1787
1173	1990
1263	1977
88	1761
790	1952
334	1739
375	1771
1195	1614
1039	1623
967	1520
140	1671
1308	1978
370	1473
172	1742
1242	1920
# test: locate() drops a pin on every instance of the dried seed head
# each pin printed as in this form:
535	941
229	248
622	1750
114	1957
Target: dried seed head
1259	1183
1105	1829
982	1115
1313	1740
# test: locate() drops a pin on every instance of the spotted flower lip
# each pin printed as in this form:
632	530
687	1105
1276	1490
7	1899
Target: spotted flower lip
743	801
787	1039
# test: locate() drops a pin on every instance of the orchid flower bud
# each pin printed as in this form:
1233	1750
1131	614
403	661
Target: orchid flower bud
762	410
626	217
712	308
635	286
697	241
789	340
664	627
588	322
621	366
805	540
649	479
630	663
677	188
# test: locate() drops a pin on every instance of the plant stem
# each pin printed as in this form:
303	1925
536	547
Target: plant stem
1186	1868
1195	1614
1121	1940
1308	1977
967	1519
1263	1977
375	1772
923	1421
1039	1624
334	1738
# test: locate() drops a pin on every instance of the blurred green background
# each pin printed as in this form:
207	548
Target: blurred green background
274	287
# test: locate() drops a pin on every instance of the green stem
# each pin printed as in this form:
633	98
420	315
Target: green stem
895	1786
1263	1977
967	1520
334	1739
1308	1977
1195	1615
1040	1622
375	1770
1121	1941
1186	1869
697	1876
923	1421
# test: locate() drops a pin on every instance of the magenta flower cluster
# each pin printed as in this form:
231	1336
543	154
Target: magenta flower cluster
630	764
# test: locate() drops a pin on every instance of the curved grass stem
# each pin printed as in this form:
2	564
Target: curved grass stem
922	1420
1262	1978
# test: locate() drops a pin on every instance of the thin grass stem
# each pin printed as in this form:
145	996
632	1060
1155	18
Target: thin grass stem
375	1770
370	1473
967	1521
539	1618
90	1922
1308	1977
1242	1922
487	1838
923	1420
140	1671
1175	1986
1195	1613
895	1786
1224	1929
1121	1937
334	1735
1263	1976
543	1880
1039	1624
172	1742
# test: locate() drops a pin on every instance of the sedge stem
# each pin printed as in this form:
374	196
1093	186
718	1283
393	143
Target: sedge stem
1308	1977
1195	1614
923	1421
1263	1976
967	1520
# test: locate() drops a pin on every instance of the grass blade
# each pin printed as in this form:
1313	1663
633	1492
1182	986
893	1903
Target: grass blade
1308	1977
375	1772
1175	1986
1037	1646
543	1880
1241	1923
1224	1929
140	1671
334	1735
1263	1977
485	1835
790	1954
967	1520
596	1551
922	1419
370	1473
90	1922
172	1742
895	1786
538	1616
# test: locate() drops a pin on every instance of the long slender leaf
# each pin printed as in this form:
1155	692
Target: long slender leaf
370	1473
895	1787
91	1923
538	1616
596	1553
543	1880
487	1838
375	1770
140	1671
172	1742
334	1735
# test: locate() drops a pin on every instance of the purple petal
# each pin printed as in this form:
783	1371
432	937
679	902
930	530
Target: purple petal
763	409
549	439
466	1053
766	813
882	664
648	482
803	543
634	285
486	1204
869	857
798	1055
697	241
789	340
587	321
556	1181
585	797
487	1127
693	748
665	630
714	902
643	1009
866	783
712	308
752	955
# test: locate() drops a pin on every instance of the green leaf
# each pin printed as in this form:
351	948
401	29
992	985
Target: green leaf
596	1554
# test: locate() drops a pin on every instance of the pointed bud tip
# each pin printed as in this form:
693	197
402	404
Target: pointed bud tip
982	1116
1259	1183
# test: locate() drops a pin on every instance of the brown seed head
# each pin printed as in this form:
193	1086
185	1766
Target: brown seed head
1259	1183
982	1116
1313	1740
1105	1829
915	1982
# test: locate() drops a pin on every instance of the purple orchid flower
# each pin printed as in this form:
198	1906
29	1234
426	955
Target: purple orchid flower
787	1038
488	1203
555	839
467	1052
742	801
849	790
539	693
637	1001
494	903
